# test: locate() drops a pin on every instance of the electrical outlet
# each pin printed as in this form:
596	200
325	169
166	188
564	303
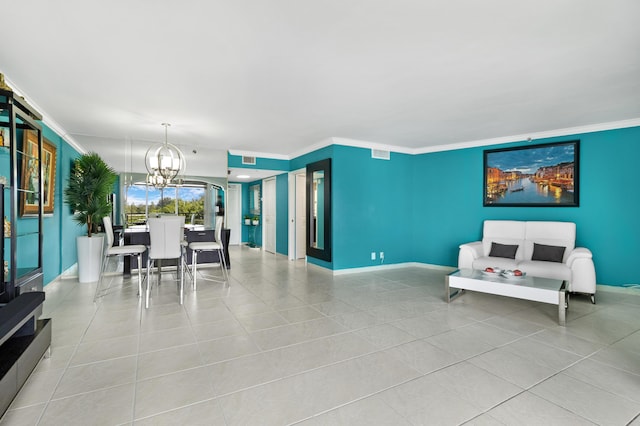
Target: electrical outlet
381	255
373	255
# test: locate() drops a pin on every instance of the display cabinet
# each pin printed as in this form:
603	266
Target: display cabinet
21	184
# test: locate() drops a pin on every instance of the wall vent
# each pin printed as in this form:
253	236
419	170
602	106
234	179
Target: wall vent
380	154
248	160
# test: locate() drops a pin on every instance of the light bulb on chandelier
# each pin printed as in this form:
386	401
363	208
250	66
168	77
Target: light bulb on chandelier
164	162
156	180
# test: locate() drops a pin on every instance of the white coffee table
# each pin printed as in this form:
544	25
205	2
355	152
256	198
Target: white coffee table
538	289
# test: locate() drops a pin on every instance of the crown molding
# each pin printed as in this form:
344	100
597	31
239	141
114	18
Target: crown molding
310	148
590	128
372	145
258	154
46	118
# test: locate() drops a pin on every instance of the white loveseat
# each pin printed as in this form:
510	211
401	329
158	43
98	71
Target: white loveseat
500	237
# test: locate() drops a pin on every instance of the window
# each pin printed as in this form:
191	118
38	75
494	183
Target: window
186	200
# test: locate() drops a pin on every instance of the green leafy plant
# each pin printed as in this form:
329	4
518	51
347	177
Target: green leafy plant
87	192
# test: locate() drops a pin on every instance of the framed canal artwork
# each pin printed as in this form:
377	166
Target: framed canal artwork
544	175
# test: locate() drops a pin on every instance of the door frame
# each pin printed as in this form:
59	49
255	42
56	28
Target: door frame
292	211
263	210
235	224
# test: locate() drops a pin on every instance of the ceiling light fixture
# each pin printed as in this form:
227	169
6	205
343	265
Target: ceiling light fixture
243	176
164	162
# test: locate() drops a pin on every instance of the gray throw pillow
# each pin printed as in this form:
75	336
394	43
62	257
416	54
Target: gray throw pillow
548	253
503	250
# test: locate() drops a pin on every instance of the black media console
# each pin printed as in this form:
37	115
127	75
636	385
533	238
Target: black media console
24	339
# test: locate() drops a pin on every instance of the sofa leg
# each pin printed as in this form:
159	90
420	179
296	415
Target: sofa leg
593	298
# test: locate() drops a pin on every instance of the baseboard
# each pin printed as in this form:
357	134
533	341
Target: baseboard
392	266
70	273
434	266
624	289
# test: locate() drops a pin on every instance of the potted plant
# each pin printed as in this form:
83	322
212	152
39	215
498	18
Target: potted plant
247	219
87	193
256	220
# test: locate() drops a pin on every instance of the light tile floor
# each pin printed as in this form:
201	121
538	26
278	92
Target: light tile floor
287	343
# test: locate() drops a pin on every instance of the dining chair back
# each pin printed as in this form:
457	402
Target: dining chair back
166	235
218	233
124	250
200	246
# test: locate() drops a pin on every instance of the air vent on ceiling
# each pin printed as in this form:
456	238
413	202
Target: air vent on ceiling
248	160
380	154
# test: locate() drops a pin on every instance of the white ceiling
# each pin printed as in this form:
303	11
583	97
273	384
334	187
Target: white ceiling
277	76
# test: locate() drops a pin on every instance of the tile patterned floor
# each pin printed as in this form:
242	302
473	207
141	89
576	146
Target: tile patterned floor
286	343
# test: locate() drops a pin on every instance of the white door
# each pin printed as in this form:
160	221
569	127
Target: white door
269	215
301	216
233	211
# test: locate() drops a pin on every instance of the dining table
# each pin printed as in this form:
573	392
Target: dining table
140	235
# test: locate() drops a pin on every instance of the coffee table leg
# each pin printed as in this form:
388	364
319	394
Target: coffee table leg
446	288
562	307
450	296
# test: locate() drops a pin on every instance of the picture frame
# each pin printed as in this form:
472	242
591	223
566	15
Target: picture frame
29	199
542	175
49	175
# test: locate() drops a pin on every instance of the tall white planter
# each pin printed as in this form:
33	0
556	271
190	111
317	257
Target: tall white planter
90	258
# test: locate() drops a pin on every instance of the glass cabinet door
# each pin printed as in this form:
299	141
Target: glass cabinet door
21	172
29	198
5	162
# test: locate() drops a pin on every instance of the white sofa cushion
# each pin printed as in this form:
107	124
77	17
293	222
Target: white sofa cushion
509	232
551	234
537	268
500	262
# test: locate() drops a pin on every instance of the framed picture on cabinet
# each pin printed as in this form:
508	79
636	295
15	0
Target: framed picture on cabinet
4	136
49	175
29	197
29	186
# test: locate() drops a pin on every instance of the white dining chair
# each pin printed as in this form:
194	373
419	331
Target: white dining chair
166	234
200	246
119	250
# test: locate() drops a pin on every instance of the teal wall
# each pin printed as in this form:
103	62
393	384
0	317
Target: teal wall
69	228
311	157
420	208
371	206
448	203
60	231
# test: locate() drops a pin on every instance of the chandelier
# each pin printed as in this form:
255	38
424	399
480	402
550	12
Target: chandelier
164	162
